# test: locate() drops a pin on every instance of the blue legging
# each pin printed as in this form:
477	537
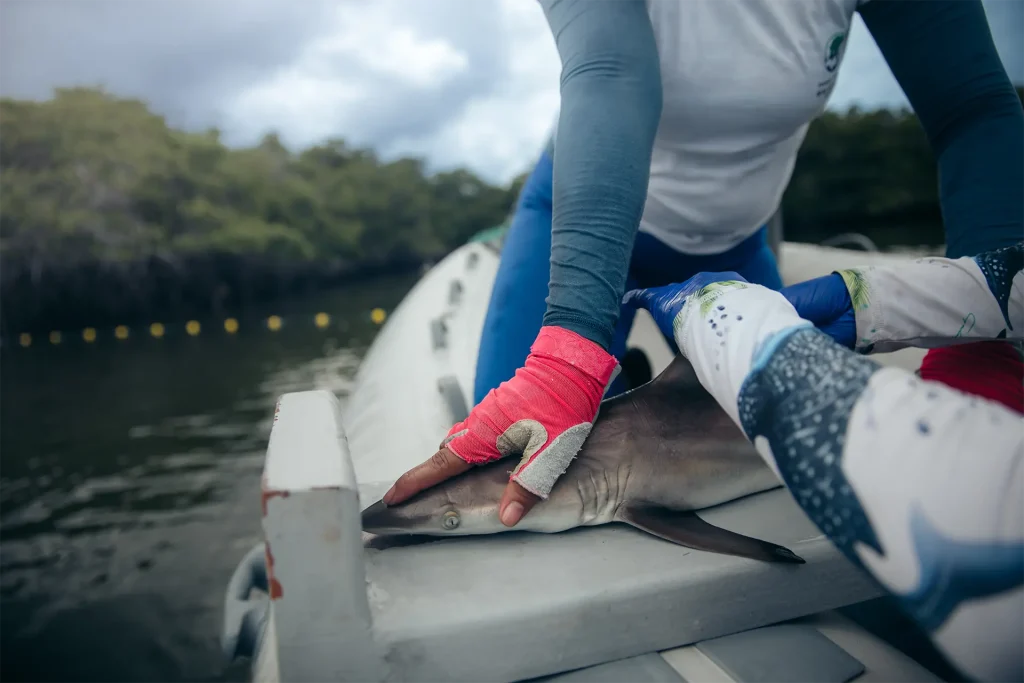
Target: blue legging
518	299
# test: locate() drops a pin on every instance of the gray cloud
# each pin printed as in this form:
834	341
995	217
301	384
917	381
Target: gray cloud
459	81
396	112
180	56
190	59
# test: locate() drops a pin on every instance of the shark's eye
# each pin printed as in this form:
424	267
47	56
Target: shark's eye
450	520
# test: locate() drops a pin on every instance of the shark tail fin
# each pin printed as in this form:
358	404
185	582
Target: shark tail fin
689	530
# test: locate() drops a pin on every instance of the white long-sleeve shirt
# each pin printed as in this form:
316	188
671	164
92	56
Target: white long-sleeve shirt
919	484
934	302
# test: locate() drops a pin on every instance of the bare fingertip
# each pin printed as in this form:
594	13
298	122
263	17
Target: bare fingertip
512	513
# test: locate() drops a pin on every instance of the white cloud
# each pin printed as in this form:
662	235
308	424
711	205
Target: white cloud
329	88
408	58
459	82
337	84
501	134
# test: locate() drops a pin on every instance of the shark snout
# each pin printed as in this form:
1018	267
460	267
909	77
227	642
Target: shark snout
433	516
380	518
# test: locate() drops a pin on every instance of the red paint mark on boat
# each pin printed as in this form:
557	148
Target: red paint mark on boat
275	586
267	494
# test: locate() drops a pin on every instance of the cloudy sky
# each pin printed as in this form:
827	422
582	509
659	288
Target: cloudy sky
459	82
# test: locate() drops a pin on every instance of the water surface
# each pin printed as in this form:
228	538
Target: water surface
129	483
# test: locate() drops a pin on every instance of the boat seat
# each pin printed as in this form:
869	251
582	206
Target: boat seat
784	653
648	668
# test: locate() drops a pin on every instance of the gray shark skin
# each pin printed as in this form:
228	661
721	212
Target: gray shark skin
655	455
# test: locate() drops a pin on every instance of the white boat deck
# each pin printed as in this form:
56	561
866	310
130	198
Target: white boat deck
516	605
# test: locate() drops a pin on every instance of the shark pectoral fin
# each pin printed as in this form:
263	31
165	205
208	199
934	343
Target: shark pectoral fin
687	529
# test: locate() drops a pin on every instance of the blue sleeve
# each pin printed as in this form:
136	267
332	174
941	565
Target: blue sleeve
610	108
942	54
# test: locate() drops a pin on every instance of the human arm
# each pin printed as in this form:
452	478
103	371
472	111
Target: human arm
925	303
934	302
885	464
942	54
610	108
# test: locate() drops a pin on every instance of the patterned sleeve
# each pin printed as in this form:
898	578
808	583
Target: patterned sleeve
918	484
938	301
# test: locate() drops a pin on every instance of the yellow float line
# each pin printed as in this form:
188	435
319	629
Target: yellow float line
192	328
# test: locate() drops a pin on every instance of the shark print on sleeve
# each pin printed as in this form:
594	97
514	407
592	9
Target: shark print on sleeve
1000	268
954	570
800	402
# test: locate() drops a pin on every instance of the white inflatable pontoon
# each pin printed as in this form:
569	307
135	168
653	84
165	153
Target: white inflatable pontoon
316	603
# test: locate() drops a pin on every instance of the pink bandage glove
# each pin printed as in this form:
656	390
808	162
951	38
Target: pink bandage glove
545	412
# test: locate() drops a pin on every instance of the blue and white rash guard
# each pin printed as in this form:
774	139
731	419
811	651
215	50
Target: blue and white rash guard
683	120
920	485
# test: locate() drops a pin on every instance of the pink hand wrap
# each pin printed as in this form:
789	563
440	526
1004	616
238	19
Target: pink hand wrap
545	412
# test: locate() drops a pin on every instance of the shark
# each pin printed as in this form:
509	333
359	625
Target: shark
655	456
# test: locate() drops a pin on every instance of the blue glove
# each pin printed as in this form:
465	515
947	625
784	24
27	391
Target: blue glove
825	302
664	303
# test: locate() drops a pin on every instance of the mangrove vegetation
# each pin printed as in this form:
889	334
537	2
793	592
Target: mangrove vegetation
108	215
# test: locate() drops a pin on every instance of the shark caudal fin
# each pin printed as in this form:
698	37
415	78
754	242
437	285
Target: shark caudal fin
689	530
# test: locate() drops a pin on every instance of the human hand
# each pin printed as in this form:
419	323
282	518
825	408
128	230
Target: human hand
665	303
825	301
545	412
723	325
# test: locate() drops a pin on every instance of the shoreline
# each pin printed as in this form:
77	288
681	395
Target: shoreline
213	285
202	286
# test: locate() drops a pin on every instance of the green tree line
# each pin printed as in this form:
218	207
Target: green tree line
871	172
107	213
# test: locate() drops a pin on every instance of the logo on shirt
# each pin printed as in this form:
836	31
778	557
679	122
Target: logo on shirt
832	49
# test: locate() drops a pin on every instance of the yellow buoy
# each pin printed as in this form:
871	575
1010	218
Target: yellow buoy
378	315
273	323
157	330
231	326
121	332
55	337
322	320
192	328
89	335
25	339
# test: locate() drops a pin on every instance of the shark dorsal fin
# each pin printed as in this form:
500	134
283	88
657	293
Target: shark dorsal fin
678	374
678	379
677	382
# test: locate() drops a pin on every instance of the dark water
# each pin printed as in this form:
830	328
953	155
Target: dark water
129	483
129	488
